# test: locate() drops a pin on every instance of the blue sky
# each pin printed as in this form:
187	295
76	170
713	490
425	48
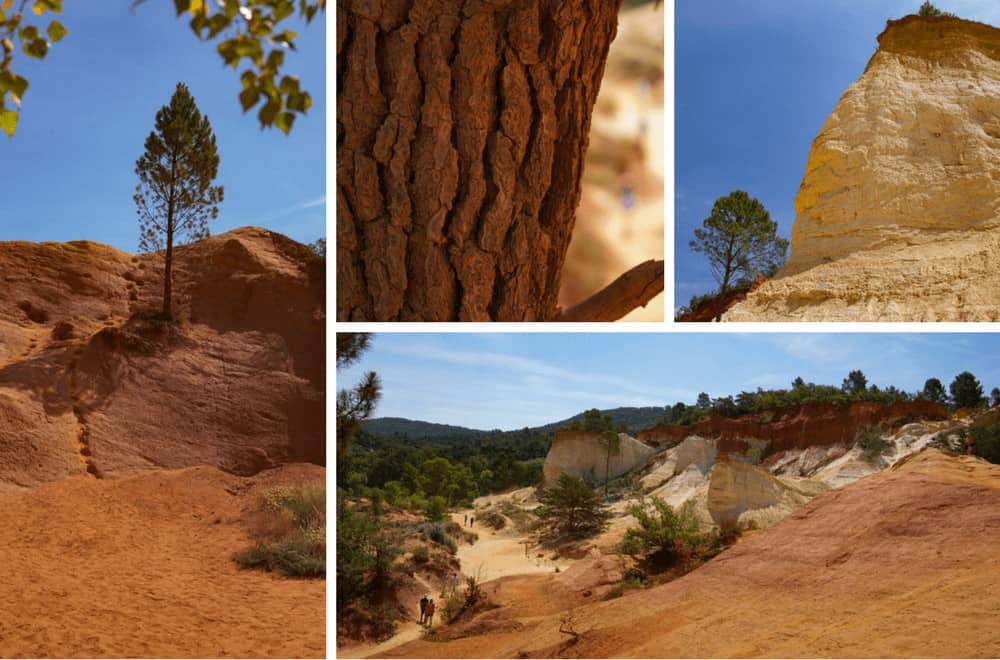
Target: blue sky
510	381
68	172
755	80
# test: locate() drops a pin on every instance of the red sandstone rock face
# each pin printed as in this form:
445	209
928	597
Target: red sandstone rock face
799	427
91	382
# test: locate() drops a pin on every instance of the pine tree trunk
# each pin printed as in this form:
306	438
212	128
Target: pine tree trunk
168	264
461	134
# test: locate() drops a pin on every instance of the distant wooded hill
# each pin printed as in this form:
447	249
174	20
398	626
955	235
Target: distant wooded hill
635	420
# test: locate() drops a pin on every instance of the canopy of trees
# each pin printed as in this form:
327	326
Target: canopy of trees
251	30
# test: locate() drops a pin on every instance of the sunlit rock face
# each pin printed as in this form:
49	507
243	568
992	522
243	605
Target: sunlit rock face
898	214
580	454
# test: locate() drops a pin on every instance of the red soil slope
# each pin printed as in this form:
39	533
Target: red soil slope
799	427
91	384
140	567
899	564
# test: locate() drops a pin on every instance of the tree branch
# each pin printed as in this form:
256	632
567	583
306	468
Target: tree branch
633	289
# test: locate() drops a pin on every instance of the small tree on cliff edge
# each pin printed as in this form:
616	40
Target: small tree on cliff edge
739	239
927	9
175	197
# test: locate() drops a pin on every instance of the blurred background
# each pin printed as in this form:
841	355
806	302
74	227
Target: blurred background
619	223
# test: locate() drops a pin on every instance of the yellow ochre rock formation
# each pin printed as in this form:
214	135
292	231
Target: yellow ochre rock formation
898	214
579	454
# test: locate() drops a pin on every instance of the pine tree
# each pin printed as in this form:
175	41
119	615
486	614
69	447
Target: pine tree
966	391
739	239
572	507
175	197
358	403
934	391
855	383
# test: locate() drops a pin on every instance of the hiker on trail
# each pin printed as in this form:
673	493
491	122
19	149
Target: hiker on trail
423	608
472	521
466	519
430	612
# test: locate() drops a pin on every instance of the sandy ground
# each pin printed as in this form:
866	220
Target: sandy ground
501	553
140	568
899	564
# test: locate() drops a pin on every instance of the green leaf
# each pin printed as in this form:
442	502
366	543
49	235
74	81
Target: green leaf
8	122
28	33
268	113
248	98
181	6
37	48
13	83
284	122
299	102
56	31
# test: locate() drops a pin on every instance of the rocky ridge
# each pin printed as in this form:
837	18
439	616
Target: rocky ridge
93	383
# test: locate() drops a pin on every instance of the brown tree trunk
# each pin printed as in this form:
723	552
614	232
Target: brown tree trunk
168	264
461	134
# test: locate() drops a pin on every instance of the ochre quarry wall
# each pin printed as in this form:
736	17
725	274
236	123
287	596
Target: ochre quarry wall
92	382
798	427
738	487
578	453
898	213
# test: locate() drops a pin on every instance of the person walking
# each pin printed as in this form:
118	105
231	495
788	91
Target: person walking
472	521
466	520
423	608
430	612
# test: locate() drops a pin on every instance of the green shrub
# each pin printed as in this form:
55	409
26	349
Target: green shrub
421	554
435	508
661	529
436	533
987	442
289	535
870	440
493	519
754	455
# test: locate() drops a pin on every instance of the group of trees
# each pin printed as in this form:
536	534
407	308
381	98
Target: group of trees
966	392
410	472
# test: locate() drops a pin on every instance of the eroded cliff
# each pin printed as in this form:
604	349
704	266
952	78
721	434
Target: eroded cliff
898	213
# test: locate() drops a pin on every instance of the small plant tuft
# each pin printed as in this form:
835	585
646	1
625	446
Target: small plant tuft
289	533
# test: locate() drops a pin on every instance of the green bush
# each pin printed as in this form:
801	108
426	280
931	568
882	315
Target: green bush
289	533
435	508
436	533
870	440
661	529
987	442
421	554
754	455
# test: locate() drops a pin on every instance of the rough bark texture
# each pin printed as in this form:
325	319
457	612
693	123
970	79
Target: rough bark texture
461	134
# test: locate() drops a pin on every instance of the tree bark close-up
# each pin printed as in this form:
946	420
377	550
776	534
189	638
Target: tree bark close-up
461	134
